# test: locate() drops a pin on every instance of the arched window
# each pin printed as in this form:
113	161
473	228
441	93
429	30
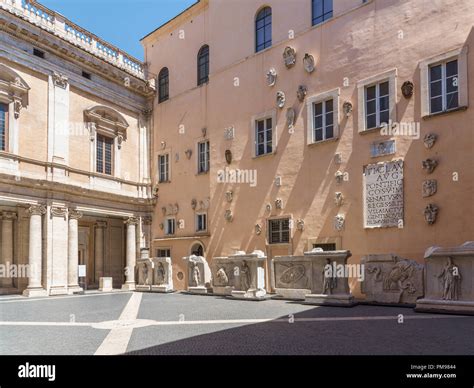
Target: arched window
163	85
203	65
263	29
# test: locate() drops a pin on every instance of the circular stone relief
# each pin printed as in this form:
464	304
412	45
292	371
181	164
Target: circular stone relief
180	276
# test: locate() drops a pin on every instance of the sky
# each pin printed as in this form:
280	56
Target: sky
120	22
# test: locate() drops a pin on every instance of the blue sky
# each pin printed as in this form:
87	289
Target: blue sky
120	22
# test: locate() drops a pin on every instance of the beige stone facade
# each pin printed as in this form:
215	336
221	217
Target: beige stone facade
74	169
274	145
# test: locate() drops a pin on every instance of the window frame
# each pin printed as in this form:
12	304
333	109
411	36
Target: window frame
204	215
111	141
311	101
165	155
281	230
254	127
323	15
391	76
163	75
443	79
157	249
6	127
461	54
204	53
376	99
267	43
167	224
207	157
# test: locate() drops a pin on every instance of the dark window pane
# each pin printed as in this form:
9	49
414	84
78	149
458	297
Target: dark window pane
451	68
370	93
318	109
371	121
452	101
383	89
260	149
384	117
435	89
435	72
383	103
329	132
329	106
436	104
329	118
318	135
370	108
318	121
269	123
451	84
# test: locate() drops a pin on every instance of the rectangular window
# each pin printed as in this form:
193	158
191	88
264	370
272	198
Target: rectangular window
38	53
323	122
170	226
264	134
444	84
377	106
3	127
163	252
163	168
325	246
203	157
104	152
322	10
201	222
279	231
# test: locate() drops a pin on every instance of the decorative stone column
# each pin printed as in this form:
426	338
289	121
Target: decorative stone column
99	251
73	252
35	287
6	253
131	254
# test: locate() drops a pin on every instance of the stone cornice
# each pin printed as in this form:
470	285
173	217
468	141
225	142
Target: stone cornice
63	47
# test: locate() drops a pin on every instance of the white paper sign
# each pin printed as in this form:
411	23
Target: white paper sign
81	271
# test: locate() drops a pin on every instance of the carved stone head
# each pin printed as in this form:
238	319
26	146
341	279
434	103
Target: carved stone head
229	196
301	93
430	140
258	229
289	56
339	221
407	89
338	198
429	188
194	203
308	63
279	203
347	108
271	77
290	117
431	213
339	176
429	165
280	99
300	225
228	216
228	156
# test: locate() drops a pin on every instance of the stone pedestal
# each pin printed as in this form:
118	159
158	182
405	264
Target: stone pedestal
449	280
389	279
249	276
144	274
329	285
162	275
292	277
105	284
199	275
223	275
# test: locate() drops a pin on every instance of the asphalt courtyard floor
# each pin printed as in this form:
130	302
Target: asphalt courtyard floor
180	324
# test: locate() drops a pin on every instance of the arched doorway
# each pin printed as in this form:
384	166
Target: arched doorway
197	248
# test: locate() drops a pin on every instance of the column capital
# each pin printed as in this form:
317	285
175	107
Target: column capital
101	224
75	214
58	212
147	220
131	221
37	210
8	216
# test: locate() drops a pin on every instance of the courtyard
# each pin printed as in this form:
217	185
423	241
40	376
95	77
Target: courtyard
181	324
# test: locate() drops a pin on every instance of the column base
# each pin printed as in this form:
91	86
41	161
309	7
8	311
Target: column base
74	290
128	286
35	292
58	290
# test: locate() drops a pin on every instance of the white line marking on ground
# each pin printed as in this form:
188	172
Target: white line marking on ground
117	340
47	298
130	322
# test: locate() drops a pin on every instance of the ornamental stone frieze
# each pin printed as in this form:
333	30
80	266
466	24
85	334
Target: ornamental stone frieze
37	210
60	212
60	80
